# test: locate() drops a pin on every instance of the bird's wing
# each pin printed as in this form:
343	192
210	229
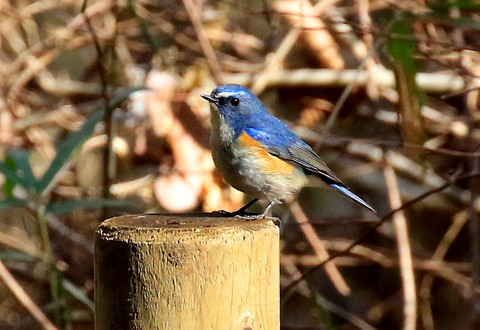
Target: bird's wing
286	145
283	143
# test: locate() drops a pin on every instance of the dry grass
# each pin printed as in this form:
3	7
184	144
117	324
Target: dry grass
387	93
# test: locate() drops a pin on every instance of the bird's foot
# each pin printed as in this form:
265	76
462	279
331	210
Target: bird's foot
251	217
223	213
242	213
238	213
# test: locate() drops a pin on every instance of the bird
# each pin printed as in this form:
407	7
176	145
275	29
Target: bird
258	154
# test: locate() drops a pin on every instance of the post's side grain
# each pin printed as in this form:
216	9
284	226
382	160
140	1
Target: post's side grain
186	272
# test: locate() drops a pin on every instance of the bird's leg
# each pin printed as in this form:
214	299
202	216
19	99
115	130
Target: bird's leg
264	214
244	208
269	207
241	211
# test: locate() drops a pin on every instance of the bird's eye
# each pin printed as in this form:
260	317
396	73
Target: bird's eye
234	101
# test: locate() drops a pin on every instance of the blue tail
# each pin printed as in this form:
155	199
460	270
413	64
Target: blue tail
352	196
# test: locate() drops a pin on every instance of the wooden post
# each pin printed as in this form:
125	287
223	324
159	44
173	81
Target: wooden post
186	271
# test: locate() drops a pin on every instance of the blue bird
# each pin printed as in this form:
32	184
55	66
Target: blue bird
258	154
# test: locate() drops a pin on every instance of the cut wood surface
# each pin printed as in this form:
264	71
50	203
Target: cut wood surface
186	271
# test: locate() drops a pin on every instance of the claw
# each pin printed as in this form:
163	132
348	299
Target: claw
241	213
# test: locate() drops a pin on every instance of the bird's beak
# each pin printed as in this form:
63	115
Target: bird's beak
209	98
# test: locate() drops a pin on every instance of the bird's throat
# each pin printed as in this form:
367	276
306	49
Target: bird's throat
221	132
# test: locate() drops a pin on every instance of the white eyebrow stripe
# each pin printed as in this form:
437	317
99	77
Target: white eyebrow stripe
228	94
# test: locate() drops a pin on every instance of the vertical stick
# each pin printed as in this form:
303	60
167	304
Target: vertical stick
186	272
404	251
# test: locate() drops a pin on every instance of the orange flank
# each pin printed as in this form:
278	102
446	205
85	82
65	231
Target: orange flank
268	162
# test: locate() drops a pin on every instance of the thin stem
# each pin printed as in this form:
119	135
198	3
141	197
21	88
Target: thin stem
22	296
50	260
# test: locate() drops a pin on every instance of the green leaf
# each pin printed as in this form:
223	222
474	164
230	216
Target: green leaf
77	138
122	95
22	165
11	174
17	256
402	47
9	183
81	204
66	149
78	294
446	6
9	202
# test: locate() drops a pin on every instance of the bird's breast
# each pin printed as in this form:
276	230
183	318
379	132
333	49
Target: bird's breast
248	166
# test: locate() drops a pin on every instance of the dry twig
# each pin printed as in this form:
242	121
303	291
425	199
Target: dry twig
404	251
24	298
317	246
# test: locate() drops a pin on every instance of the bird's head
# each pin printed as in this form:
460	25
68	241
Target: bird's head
234	102
233	108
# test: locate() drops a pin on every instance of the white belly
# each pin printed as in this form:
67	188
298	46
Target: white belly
241	169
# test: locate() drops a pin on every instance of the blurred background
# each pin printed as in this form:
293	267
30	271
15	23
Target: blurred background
100	115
